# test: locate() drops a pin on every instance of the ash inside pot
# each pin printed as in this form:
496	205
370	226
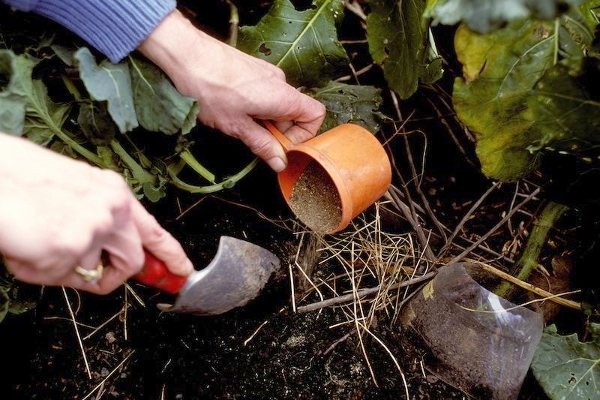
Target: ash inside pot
315	199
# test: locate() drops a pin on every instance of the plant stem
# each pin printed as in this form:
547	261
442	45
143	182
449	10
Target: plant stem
92	157
70	86
57	130
137	171
234	20
529	259
228	183
196	166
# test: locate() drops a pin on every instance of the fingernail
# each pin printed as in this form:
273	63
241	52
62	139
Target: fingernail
276	164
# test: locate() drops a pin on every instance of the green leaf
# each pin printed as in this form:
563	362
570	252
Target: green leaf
111	83
398	41
26	108
567	368
350	103
16	297
567	119
16	72
485	16
108	157
95	121
44	117
519	95
158	105
302	43
65	54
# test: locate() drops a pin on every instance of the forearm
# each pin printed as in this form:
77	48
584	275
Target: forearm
187	55
114	27
171	42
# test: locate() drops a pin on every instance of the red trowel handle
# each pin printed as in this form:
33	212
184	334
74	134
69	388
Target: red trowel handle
156	274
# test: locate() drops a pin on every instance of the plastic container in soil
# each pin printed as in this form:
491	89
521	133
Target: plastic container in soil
477	341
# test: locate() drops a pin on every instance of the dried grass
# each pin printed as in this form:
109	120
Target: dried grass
375	267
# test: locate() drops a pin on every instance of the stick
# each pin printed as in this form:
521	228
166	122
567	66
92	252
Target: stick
362	293
85	361
528	286
495	228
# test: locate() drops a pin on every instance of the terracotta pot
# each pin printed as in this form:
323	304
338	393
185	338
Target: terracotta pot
354	159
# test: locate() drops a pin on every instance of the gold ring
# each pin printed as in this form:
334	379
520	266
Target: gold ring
90	275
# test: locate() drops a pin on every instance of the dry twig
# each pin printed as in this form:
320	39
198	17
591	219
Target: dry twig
85	361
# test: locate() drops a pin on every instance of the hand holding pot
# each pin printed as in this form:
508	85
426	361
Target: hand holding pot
233	88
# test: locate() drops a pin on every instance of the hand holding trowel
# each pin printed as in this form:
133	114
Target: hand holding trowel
236	275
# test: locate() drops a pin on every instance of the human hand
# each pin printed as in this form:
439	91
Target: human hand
234	89
57	213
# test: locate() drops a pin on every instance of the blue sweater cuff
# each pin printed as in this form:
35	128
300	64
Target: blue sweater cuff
114	27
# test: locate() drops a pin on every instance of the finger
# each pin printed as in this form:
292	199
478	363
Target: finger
25	272
103	278
125	249
262	143
124	252
47	273
297	134
312	116
112	278
90	268
304	118
91	258
160	243
56	276
283	126
293	132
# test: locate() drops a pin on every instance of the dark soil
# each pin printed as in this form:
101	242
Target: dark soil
263	350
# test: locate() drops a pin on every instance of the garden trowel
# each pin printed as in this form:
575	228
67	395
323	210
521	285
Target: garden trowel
236	275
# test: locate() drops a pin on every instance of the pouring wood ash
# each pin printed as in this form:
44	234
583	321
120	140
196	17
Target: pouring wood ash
315	199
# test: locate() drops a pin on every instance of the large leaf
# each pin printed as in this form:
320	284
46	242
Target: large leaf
567	118
26	108
398	41
484	16
302	43
111	83
158	105
44	117
95	121
15	72
518	92
350	103
567	368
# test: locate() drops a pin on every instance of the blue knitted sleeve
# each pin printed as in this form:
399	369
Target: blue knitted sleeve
114	27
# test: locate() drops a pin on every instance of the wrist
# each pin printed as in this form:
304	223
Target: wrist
171	45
